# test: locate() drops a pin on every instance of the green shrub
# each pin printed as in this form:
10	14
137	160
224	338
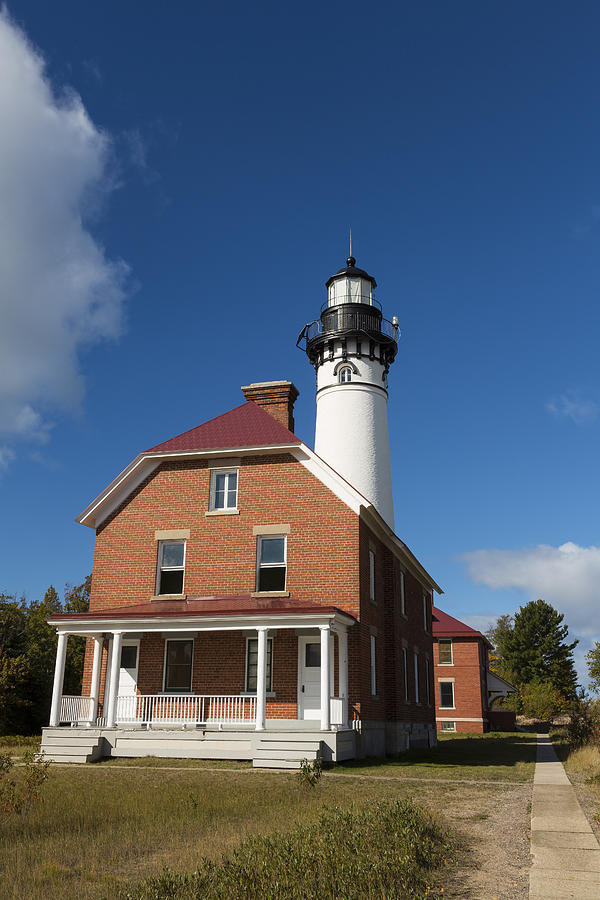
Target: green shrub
310	772
385	850
584	724
18	793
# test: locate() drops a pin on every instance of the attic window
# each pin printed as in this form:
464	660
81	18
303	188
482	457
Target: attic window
223	489
445	652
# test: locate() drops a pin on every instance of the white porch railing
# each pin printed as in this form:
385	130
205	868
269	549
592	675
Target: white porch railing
185	709
75	709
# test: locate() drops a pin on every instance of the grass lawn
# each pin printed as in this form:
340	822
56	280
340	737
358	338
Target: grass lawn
486	757
101	829
17	745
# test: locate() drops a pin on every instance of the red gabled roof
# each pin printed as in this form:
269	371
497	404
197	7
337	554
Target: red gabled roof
237	605
247	425
447	626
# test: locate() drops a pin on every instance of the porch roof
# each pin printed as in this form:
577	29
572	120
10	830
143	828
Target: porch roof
235	607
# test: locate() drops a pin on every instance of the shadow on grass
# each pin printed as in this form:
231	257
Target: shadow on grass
461	751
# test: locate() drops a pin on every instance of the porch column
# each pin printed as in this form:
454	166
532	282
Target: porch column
95	684
115	663
59	676
261	680
325	717
343	674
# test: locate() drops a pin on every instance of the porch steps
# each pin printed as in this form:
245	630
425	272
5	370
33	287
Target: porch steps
66	745
285	751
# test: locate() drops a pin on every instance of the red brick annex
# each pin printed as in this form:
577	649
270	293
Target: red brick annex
250	598
465	688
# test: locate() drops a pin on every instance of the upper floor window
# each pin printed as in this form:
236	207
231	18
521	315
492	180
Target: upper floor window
223	489
372	575
426	605
345	374
271	563
171	566
445	652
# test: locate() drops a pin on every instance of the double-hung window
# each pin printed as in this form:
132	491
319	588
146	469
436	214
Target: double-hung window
223	489
271	563
445	652
178	665
252	664
373	665
427	682
416	662
171	567
372	576
447	694
405	667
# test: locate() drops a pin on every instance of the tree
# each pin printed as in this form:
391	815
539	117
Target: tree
498	636
28	655
536	652
593	664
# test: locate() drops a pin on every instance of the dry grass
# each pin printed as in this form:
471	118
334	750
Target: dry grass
585	761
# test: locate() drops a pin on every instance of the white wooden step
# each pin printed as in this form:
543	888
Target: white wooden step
301	746
275	764
284	754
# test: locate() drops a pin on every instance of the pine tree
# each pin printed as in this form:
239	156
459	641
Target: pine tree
535	650
593	663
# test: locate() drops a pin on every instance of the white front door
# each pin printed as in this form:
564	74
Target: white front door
309	677
128	671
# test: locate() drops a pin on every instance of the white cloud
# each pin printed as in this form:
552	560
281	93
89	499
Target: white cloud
567	577
58	290
571	406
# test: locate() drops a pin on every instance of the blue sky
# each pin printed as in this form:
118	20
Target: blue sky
179	184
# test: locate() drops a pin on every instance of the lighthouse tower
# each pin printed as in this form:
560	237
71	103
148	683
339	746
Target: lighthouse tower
352	347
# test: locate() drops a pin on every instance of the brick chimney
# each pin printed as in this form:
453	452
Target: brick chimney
276	397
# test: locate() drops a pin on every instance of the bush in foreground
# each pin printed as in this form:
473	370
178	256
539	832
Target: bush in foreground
386	850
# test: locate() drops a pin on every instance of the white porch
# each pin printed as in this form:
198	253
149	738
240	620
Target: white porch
181	717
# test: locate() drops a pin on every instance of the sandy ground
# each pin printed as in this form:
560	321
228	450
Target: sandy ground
493	822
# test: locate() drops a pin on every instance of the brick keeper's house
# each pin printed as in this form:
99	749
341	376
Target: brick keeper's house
250	599
465	688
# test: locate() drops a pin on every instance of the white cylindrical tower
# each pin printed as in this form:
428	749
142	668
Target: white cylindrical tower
352	347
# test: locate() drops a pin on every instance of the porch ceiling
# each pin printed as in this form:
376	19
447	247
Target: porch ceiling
206	614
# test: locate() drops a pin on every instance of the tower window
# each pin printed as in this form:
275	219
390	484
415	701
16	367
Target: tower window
345	374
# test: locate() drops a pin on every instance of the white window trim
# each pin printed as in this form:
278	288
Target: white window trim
373	666
372	576
159	567
416	665
446	641
405	662
402	594
247	691
224	510
164	681
447	681
259	540
450	723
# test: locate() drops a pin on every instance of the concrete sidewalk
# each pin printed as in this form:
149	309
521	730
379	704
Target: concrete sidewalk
566	855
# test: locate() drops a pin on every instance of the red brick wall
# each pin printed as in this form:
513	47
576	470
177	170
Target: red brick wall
470	686
327	545
392	628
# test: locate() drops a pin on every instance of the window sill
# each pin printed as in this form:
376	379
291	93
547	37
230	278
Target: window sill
222	512
168	597
451	708
270	594
445	664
